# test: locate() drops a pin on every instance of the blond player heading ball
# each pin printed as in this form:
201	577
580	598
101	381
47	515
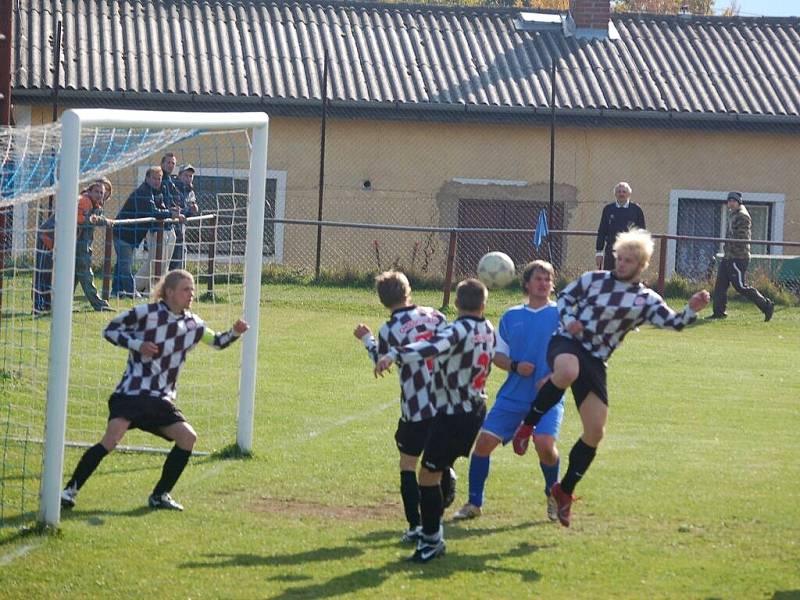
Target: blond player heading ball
597	310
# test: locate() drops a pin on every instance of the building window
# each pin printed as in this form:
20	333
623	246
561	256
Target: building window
702	213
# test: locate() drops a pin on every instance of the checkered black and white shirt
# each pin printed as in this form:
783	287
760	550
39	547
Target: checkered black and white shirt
174	334
463	353
406	326
609	309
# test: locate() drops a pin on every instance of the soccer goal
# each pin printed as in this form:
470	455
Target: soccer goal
56	370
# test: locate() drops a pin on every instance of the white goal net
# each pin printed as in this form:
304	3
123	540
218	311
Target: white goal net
56	370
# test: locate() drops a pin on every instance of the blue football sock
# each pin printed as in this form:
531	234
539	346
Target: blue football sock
550	473
478	473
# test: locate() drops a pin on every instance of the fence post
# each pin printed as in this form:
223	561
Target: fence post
107	244
212	252
159	257
448	276
662	264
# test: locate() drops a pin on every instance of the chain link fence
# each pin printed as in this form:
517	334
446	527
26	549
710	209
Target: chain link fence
488	176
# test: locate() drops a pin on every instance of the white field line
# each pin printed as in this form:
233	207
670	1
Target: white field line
351	418
7	559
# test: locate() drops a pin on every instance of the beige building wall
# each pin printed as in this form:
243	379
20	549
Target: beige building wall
414	170
418	172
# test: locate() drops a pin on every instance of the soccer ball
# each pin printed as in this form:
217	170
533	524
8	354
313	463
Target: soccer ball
496	270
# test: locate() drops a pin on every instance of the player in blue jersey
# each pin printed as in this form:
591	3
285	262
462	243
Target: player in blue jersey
522	338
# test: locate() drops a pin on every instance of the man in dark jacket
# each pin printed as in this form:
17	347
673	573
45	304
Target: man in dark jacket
733	266
127	237
158	257
617	217
186	203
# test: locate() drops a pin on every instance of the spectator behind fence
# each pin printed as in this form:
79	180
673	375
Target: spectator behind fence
90	215
127	237
733	266
621	215
43	270
160	256
187	205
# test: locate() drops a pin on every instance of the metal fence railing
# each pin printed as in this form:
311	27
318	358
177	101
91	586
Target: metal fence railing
447	254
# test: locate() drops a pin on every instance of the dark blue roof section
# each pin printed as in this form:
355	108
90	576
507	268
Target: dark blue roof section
409	56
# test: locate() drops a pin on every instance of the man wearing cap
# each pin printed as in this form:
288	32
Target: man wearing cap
733	266
187	205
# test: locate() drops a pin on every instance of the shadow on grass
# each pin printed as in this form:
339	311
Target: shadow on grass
440	568
453	530
94	517
255	560
369	578
27	531
787	595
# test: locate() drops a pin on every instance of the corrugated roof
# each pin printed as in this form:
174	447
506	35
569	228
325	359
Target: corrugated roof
409	55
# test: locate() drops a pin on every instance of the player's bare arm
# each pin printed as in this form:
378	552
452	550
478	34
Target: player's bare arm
149	349
575	327
699	300
361	330
523	368
384	364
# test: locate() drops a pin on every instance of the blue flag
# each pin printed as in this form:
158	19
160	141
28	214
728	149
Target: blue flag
541	231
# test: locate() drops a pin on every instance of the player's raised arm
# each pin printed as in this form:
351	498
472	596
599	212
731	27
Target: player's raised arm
661	315
220	341
425	349
364	333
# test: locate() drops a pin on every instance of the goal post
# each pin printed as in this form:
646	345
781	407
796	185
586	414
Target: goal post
73	121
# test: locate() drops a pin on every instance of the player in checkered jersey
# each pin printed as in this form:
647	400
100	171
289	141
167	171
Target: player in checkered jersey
463	354
597	310
157	336
408	323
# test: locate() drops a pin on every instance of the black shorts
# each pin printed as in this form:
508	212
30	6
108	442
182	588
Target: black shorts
452	436
411	436
145	412
592	375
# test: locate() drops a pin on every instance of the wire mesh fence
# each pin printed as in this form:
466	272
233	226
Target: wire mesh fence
489	178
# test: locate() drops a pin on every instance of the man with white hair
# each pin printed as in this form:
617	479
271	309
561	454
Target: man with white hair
621	215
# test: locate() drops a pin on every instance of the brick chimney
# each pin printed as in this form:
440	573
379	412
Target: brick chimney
590	14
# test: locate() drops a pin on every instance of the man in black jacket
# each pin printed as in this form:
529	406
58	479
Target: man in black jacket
127	237
617	217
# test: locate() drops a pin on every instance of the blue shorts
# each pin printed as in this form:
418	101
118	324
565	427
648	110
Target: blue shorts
506	415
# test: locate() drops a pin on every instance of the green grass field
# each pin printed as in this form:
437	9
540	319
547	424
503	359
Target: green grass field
695	492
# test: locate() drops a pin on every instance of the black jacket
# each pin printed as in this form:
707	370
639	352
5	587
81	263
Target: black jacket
615	220
143	202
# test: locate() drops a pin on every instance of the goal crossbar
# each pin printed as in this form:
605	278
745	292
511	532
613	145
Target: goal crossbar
64	267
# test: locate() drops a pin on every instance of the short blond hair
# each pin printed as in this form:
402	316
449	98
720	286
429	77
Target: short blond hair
471	294
169	282
393	288
637	241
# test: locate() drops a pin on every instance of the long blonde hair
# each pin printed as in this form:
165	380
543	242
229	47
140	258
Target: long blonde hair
169	282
